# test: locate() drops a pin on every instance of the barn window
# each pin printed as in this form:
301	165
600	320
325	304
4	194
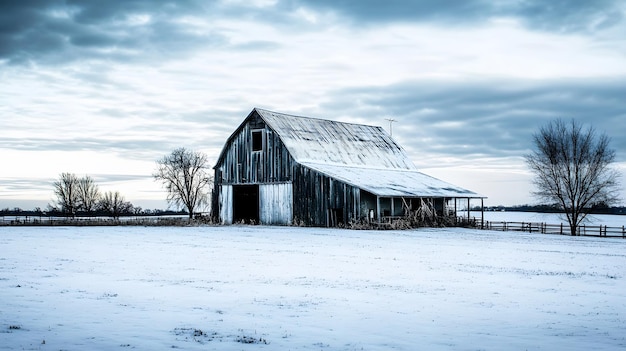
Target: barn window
257	140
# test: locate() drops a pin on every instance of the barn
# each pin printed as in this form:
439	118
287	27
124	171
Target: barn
282	169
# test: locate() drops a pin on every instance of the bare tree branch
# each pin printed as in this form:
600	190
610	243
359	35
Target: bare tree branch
66	191
184	175
572	168
88	194
114	204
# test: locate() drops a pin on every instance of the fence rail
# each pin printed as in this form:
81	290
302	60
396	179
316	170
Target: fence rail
561	229
85	220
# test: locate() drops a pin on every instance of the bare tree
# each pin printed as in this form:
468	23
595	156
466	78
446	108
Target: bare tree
572	168
184	175
114	204
66	191
88	194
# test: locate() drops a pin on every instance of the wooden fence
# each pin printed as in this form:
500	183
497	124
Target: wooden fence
530	227
561	229
87	220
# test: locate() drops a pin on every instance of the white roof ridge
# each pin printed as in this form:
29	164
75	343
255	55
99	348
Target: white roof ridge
316	118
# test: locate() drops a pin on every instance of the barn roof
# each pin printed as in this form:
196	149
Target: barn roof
329	142
360	155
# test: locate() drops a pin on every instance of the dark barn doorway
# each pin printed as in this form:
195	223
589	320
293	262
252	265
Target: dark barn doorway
336	217
246	203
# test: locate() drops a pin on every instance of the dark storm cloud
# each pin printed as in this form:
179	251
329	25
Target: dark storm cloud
58	31
488	118
570	15
553	15
61	31
374	11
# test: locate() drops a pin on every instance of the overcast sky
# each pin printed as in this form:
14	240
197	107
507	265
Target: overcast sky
105	88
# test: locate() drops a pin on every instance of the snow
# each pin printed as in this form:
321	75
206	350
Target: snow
313	140
288	288
392	182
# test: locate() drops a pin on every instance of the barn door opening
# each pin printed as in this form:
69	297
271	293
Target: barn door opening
336	217
246	203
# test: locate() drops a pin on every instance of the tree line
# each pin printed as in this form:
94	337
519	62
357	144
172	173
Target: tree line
183	173
81	195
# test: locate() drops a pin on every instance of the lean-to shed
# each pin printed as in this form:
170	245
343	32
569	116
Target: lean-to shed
282	169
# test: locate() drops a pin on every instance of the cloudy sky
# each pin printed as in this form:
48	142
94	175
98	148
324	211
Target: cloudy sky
104	88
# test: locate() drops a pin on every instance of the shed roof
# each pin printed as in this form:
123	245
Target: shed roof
393	182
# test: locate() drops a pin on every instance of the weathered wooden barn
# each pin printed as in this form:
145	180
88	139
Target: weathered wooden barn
282	169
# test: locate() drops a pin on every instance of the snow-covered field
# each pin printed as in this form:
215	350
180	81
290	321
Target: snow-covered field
283	288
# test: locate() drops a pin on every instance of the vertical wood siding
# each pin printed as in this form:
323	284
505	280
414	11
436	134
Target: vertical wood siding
241	165
276	203
317	196
225	204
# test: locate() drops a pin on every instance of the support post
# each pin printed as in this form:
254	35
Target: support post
433	207
445	208
455	214
482	213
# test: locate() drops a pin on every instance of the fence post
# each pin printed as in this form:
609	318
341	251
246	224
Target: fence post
561	232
